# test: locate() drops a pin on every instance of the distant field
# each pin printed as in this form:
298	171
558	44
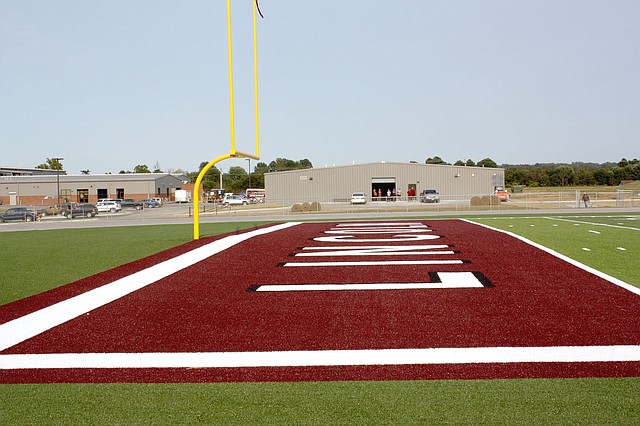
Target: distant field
37	261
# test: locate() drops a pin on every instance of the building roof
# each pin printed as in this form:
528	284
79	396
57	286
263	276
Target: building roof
385	163
22	171
125	177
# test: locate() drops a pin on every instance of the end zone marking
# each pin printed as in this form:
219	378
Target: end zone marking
379	263
481	355
439	280
30	325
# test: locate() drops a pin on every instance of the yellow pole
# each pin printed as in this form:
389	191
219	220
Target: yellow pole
231	107
255	71
196	194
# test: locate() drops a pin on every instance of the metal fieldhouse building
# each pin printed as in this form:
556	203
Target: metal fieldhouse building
43	189
338	183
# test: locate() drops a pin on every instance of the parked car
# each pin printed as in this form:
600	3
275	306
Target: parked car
55	209
429	196
150	202
235	200
18	213
130	203
80	210
109	206
502	194
358	198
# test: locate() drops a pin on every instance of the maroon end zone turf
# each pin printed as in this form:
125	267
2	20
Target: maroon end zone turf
529	299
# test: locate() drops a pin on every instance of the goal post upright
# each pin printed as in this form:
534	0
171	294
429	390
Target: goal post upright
233	153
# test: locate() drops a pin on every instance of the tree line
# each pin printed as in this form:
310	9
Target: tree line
559	174
238	179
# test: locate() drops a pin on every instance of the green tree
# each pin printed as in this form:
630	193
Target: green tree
210	180
487	162
561	176
141	168
603	176
51	164
305	164
85	171
284	164
261	168
435	160
236	180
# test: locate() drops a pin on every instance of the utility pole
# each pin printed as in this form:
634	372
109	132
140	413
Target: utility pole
58	159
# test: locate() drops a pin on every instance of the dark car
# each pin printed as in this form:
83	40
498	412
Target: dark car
18	213
129	202
150	202
80	210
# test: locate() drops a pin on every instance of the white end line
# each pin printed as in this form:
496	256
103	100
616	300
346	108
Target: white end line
420	356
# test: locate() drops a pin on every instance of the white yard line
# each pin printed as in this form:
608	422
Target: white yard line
558	354
28	326
591	223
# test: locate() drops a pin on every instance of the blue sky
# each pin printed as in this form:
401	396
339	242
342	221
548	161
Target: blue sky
109	84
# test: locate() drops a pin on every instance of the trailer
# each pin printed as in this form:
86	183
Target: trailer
183	196
256	195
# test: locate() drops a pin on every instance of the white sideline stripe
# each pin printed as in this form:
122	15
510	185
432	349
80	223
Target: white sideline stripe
558	354
30	325
593	223
567	259
379	263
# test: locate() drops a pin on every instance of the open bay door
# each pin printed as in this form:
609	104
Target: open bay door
382	187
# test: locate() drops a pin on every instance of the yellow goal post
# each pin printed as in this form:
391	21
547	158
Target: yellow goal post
233	153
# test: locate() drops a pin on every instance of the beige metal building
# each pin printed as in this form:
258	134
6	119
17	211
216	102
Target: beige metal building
43	189
338	183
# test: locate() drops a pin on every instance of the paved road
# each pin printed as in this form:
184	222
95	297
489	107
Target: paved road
181	214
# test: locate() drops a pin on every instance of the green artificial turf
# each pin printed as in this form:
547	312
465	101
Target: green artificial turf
525	401
36	261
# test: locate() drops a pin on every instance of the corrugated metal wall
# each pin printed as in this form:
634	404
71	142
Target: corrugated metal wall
326	184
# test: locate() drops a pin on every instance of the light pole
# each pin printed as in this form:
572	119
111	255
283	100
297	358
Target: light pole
249	160
57	160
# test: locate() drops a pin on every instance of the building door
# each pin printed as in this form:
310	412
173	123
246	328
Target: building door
411	191
120	193
83	195
103	193
382	188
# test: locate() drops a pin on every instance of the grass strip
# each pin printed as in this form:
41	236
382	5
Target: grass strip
528	401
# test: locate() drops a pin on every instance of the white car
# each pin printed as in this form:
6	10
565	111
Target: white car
235	200
358	198
109	206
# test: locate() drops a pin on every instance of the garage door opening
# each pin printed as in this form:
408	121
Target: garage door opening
383	188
